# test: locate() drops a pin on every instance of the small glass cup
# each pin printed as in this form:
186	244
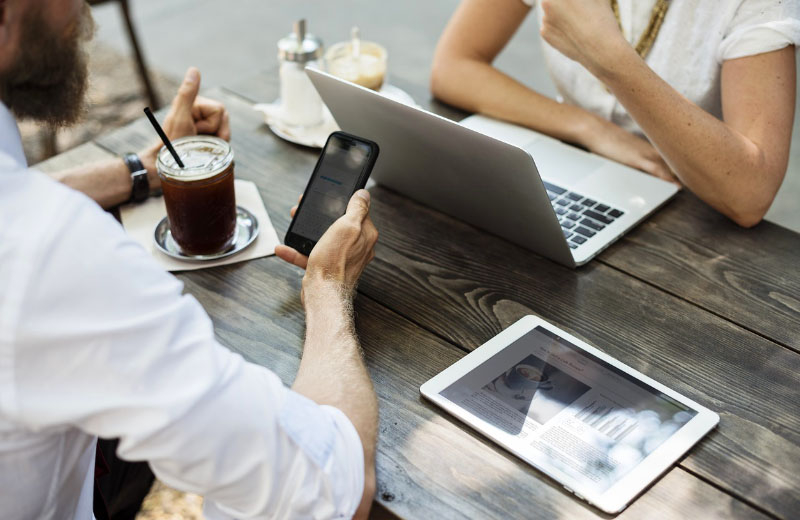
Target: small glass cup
367	68
200	198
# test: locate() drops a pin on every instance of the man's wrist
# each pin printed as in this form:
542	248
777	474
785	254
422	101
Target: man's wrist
148	158
329	315
319	290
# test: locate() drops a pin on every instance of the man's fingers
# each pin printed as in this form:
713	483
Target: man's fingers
358	207
370	232
224	131
290	255
211	124
294	208
188	89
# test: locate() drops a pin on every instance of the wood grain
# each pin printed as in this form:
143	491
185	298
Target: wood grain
750	277
423	469
465	286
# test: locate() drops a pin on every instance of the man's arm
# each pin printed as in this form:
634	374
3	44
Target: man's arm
104	341
108	182
332	370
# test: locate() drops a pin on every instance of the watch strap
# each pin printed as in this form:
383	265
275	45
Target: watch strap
140	185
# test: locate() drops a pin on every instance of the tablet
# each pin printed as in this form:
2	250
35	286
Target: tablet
600	428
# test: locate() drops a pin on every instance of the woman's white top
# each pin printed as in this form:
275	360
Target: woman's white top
697	36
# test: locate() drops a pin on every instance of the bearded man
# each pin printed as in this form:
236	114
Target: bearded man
97	341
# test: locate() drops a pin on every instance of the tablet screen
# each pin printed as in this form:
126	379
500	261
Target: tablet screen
574	412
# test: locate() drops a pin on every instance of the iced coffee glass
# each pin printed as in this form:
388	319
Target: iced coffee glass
367	67
200	200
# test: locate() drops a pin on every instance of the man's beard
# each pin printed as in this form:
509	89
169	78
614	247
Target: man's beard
48	81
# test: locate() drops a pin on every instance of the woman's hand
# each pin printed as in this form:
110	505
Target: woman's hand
583	30
609	140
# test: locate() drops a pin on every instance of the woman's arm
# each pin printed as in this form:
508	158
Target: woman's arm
463	76
735	165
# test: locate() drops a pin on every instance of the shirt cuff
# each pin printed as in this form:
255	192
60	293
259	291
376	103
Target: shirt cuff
352	450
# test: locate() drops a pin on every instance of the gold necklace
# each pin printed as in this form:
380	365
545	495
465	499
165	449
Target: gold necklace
650	33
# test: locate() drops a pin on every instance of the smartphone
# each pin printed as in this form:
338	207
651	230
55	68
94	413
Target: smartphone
342	169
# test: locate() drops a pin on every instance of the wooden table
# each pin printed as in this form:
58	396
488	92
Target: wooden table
687	298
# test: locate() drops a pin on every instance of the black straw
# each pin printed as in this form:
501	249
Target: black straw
162	135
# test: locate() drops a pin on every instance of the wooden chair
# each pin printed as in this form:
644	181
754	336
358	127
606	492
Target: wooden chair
140	64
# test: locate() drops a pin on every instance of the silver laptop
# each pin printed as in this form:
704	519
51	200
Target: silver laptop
531	189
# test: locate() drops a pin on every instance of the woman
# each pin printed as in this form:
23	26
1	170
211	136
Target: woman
703	97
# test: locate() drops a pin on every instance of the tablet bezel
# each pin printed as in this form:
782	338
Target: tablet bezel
624	491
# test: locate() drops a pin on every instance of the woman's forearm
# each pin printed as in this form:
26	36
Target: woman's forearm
724	167
477	86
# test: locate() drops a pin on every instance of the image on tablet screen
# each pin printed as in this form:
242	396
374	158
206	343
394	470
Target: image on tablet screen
573	411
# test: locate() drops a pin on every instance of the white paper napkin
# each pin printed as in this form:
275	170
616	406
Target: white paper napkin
140	221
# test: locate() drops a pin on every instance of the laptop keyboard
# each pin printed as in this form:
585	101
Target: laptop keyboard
580	217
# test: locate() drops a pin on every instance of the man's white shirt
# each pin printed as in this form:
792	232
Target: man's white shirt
97	340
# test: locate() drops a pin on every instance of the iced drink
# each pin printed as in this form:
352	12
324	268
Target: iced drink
200	199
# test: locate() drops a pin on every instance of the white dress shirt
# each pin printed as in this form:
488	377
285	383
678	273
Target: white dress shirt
694	40
97	340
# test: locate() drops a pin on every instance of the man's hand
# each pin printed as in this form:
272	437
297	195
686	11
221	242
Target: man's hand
189	114
583	30
344	250
609	140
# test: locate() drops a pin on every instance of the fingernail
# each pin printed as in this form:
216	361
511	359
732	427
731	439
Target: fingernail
193	75
364	194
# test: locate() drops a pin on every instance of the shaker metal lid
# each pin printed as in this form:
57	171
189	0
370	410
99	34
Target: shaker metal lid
299	46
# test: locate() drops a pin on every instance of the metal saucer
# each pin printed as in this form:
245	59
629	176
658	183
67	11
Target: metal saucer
246	232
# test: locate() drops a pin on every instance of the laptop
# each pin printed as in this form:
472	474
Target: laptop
531	189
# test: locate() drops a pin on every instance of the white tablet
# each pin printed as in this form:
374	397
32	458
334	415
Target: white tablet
598	427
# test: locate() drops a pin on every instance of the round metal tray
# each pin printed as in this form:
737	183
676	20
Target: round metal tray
246	233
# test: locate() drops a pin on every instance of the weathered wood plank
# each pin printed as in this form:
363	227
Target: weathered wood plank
429	466
751	277
467	285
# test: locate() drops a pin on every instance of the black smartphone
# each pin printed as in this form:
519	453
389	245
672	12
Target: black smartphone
342	169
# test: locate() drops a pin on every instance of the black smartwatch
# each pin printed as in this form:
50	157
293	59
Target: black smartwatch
140	186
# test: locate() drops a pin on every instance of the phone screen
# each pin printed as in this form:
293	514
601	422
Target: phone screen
335	179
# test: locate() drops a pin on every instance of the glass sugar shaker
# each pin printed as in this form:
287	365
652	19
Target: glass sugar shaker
300	103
